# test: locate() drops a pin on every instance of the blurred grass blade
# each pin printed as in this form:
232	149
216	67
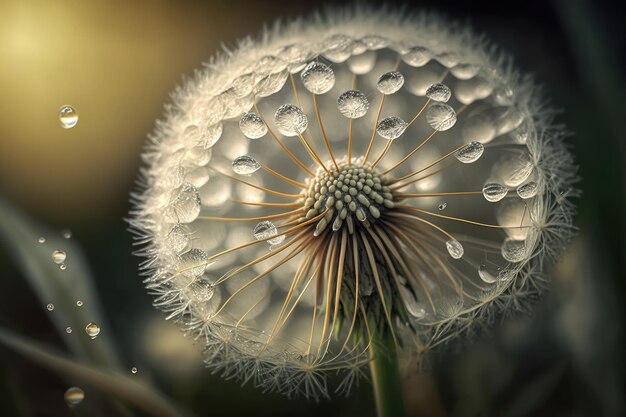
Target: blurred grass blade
61	288
109	382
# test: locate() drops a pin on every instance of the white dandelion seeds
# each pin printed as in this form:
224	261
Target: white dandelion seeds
362	253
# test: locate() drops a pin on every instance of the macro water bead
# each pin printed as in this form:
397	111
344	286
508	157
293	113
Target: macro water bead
342	183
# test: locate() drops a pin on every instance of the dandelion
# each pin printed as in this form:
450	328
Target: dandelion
291	207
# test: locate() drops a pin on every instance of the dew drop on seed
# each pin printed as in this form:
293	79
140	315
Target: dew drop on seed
494	192
353	104
68	117
245	165
528	190
417	57
485	275
442	206
68	330
185	205
201	290
79	303
391	127
265	230
63	267
177	239
58	256
440	116
439	92
41	240
470	153
291	121
390	82
67	234
317	77
74	396
193	263
50	307
455	249
134	370
513	250
92	330
252	126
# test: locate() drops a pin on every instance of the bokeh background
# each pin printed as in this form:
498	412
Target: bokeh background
116	62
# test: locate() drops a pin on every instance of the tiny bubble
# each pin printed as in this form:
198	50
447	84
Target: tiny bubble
67	233
58	256
442	206
68	117
74	396
50	307
41	240
79	303
68	330
63	267
134	370
92	330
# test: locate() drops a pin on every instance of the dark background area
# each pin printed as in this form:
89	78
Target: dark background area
116	62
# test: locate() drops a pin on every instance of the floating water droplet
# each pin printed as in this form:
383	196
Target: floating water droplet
485	275
63	267
79	303
41	240
291	121
68	117
185	205
177	238
92	330
265	230
494	192
440	116
439	92
353	104
455	249
74	396
201	291
58	256
245	165
391	127
134	370
50	307
528	190
68	330
317	77
470	153
513	250
252	126
193	263
390	82
442	206
67	234
417	57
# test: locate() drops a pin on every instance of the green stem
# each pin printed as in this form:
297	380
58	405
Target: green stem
386	377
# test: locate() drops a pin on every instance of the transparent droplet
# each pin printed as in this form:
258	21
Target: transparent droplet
68	330
494	192
68	117
193	263
455	249
245	165
79	303
67	234
391	127
470	153
58	256
353	104
63	266
442	206
92	330
417	57
390	82
439	92
513	250
317	77
252	126
362	63
50	307
440	116
201	291
265	230
134	370
184	206
177	239
485	275
74	396
414	307
291	121
528	190
41	240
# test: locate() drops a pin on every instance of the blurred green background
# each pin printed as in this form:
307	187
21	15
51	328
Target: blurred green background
116	63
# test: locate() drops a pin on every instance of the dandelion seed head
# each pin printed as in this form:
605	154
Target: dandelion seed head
288	207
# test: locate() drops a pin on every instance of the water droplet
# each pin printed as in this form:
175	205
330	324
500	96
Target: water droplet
513	250
68	117
177	238
74	396
201	291
485	275
245	165
50	307
390	82
440	116
317	77
252	126
67	234
41	240
193	263
92	330
68	330
442	206
63	267
528	190
58	256
470	153
265	230
134	370
391	127
417	57
494	192
291	121
455	249
184	206
353	104
439	92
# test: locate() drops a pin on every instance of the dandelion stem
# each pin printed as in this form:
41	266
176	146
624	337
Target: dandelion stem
385	374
